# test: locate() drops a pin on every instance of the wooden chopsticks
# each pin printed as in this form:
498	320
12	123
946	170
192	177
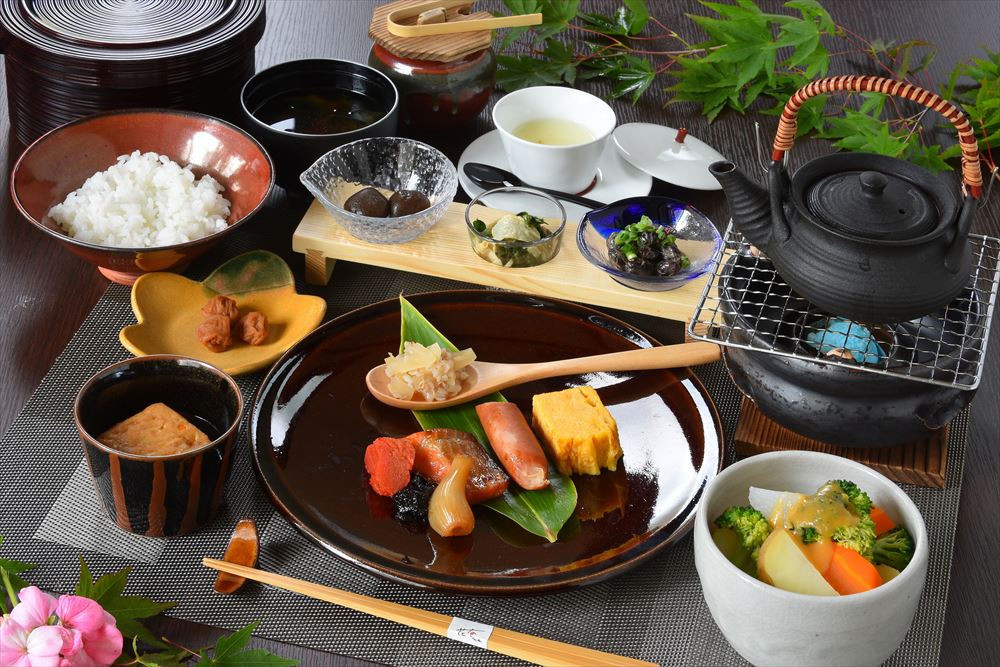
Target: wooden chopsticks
393	25
515	644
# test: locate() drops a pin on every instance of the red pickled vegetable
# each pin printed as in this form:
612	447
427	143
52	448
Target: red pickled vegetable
389	462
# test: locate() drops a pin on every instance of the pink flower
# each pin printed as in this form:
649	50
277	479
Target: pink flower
80	613
104	644
40	647
13	644
82	634
34	608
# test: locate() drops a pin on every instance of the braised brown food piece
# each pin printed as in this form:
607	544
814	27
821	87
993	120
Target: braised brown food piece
252	328
368	201
407	202
222	305
214	333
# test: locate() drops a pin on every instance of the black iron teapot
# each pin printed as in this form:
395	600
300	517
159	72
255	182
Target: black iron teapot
866	237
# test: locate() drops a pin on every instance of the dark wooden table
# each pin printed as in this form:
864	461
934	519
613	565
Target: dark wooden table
45	292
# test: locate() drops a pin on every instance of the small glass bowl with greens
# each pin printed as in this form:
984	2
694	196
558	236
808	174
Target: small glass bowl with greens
528	235
649	243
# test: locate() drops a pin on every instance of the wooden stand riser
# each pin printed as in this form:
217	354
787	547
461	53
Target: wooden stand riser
445	251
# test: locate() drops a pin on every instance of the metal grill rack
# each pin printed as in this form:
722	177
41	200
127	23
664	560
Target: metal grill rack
746	304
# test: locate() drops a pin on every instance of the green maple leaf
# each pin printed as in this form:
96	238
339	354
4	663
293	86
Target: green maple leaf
127	609
229	651
810	117
170	658
9	571
556	66
813	11
556	15
928	157
635	15
634	78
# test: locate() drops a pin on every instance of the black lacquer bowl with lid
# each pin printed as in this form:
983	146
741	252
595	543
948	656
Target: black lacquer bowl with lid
66	60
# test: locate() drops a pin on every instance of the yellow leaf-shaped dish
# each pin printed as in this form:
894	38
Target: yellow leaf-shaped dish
168	309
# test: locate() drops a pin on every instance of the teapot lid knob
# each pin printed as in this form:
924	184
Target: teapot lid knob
873	182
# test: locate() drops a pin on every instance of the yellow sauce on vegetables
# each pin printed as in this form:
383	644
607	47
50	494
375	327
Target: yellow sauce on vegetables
825	512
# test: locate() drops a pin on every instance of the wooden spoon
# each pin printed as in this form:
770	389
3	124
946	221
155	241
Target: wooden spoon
486	378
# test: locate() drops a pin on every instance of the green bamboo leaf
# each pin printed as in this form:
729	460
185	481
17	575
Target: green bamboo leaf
541	512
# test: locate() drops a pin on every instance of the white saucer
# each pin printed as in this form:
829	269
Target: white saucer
616	178
654	149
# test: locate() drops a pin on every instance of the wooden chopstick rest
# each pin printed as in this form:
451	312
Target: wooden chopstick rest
508	642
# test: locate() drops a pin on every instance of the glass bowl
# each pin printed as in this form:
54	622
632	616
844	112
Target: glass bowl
386	163
696	236
510	253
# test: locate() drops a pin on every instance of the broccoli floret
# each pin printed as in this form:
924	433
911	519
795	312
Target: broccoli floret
809	535
854	498
749	524
860	537
894	548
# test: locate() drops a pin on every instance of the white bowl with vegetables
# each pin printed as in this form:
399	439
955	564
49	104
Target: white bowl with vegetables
824	561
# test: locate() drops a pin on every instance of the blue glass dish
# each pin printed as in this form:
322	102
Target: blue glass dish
696	235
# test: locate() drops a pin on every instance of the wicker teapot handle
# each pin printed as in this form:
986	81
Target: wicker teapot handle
971	173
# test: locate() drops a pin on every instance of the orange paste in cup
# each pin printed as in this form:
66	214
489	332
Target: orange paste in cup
156	431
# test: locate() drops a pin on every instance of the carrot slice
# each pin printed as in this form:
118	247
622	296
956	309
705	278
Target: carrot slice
849	572
883	523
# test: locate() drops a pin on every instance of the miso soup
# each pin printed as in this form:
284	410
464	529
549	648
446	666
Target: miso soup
320	111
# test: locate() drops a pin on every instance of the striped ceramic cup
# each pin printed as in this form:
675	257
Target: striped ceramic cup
168	494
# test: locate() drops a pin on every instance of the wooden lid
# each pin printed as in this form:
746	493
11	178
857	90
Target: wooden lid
439	48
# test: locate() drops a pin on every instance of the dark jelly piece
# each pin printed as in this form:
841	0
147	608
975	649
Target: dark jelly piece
368	201
408	202
410	504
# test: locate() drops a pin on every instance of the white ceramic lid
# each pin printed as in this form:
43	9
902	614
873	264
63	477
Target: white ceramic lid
655	150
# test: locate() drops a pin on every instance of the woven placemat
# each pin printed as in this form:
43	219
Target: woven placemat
49	514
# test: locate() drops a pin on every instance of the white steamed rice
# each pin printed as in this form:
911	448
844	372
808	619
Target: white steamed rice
144	201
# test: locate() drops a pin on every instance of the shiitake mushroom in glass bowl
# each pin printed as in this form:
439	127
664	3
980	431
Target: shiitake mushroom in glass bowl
649	243
388	166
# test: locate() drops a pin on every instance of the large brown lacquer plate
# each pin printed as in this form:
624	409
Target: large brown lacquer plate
313	419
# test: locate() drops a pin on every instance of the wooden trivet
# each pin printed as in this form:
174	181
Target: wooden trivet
439	48
921	462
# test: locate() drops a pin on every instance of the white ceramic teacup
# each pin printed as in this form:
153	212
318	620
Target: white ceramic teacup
769	626
568	168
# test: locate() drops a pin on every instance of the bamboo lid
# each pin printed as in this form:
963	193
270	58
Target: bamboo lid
439	48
